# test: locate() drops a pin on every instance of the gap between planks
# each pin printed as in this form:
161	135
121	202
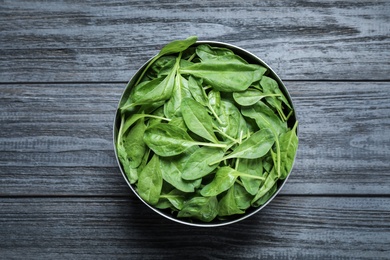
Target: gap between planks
125	82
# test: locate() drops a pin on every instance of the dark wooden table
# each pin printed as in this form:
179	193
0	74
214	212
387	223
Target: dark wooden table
64	65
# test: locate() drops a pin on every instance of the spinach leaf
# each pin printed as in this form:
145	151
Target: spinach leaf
228	206
223	180
231	121
224	76
176	198
134	144
168	140
243	198
161	67
179	122
288	148
197	165
130	158
172	47
180	91
266	196
163	203
209	53
250	96
265	117
214	102
202	208
131	173
268	184
197	92
150	181
177	46
197	119
256	146
172	174
275	96
159	89
252	167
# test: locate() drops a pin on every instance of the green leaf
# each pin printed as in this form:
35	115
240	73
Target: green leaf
163	204
134	145
176	198
150	181
197	91
265	117
131	173
197	119
270	86
156	90
288	148
126	141
172	174
177	46
232	122
161	67
253	167
250	96
126	124
243	198
202	208
223	180
224	76
197	165
270	181
266	196
228	206
256	146
210	53
214	100
168	140
172	47
179	122
180	91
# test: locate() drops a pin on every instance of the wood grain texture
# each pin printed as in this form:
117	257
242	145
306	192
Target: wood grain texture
101	228
59	137
64	65
72	41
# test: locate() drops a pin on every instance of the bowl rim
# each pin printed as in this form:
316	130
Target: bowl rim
241	52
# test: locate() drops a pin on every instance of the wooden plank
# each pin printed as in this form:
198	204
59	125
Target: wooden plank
100	228
59	138
72	41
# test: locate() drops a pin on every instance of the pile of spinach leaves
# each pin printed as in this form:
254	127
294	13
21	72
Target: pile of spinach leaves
205	134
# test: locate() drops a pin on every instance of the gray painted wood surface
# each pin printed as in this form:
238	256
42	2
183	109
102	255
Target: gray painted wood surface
64	65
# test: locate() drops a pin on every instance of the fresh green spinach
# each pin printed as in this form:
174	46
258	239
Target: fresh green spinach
204	134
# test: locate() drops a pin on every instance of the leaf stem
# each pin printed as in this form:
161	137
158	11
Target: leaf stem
147	67
192	56
119	137
126	107
215	114
237	163
158	117
278	154
167	196
225	135
210	144
250	176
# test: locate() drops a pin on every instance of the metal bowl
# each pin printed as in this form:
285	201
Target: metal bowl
251	58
